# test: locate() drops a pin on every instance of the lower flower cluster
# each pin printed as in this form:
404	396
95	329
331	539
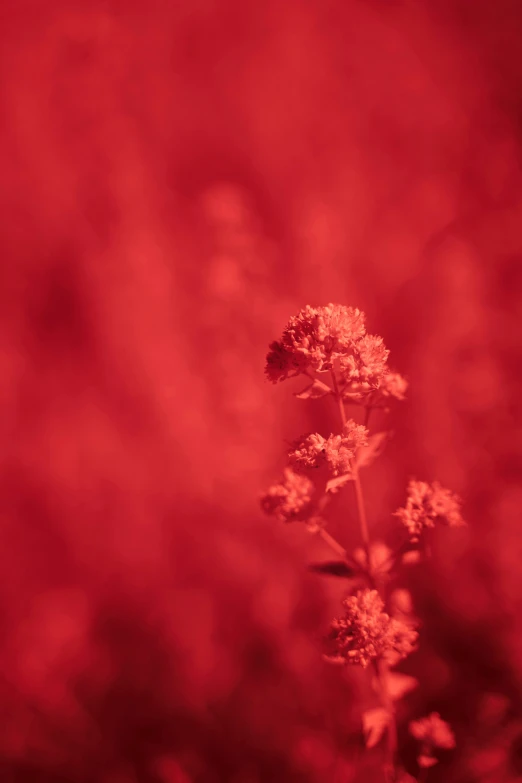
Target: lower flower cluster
366	632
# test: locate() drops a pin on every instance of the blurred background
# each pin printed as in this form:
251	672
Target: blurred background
177	180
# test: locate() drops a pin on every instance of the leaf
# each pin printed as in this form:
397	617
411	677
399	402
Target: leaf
335	484
336	660
314	391
374	723
353	396
398	685
380	558
365	455
401	603
333	568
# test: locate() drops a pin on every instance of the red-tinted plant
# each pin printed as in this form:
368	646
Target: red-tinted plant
330	347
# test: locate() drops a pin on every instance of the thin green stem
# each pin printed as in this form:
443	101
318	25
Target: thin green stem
382	670
338	549
339	398
361	511
381	667
332	543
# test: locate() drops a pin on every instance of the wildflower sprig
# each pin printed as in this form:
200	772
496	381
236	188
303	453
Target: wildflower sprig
378	628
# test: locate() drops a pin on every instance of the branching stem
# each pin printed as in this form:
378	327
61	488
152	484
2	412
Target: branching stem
381	667
338	397
332	543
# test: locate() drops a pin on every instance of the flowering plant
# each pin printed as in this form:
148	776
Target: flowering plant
331	348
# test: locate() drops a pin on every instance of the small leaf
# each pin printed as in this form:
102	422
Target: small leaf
354	397
401	603
426	761
380	558
374	723
314	391
367	454
398	685
336	660
333	568
335	484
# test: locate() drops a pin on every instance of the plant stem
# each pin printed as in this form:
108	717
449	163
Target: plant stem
332	543
339	398
363	522
391	737
381	667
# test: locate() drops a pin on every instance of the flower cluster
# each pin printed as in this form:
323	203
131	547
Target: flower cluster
366	632
365	365
313	339
393	385
427	504
335	452
432	732
291	499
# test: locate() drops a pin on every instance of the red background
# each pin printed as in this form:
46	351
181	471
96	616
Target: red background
177	180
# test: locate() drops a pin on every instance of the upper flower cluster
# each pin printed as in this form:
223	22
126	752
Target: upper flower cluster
366	632
427	504
291	499
313	339
333	337
335	452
